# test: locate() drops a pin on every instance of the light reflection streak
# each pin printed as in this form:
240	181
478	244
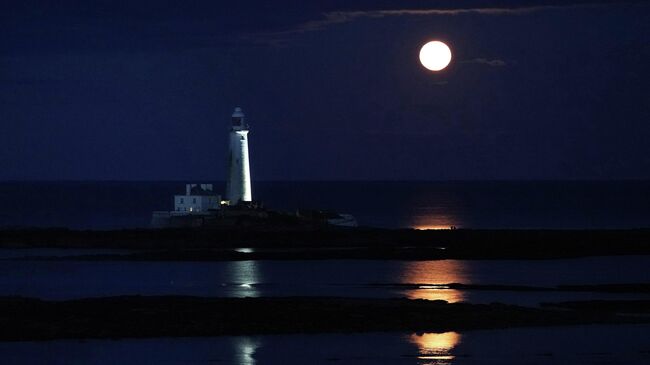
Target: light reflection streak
436	346
245	275
246	347
430	278
244	250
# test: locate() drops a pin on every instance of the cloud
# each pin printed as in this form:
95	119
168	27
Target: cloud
339	17
37	26
485	61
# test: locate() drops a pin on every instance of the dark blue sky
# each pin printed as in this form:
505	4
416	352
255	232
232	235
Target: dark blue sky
144	90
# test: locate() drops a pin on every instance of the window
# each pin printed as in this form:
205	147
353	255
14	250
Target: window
194	201
182	201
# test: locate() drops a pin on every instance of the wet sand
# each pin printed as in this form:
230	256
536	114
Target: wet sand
25	319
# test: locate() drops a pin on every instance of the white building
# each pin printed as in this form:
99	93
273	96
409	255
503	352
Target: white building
201	205
198	198
238	185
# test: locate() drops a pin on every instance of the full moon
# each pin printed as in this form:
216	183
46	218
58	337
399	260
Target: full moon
435	55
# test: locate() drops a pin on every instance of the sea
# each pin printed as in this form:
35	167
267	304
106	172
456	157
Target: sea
387	204
22	273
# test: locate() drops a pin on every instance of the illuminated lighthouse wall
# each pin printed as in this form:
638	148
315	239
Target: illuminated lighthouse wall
238	185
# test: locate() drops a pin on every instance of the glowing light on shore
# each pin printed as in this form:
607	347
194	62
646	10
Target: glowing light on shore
424	228
427	218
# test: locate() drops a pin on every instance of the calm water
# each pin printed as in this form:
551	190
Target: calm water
398	204
553	345
105	205
352	278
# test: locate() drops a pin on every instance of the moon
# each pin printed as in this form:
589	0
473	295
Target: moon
435	56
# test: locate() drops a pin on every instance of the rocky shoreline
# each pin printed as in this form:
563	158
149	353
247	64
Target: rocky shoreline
28	319
362	243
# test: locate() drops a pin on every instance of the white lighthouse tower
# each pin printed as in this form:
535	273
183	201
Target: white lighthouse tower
238	186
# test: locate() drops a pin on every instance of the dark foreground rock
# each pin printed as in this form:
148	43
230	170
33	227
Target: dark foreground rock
405	244
175	316
640	307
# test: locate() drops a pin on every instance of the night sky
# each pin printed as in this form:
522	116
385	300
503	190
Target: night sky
143	90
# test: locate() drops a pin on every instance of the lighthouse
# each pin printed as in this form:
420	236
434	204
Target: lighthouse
201	206
238	185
